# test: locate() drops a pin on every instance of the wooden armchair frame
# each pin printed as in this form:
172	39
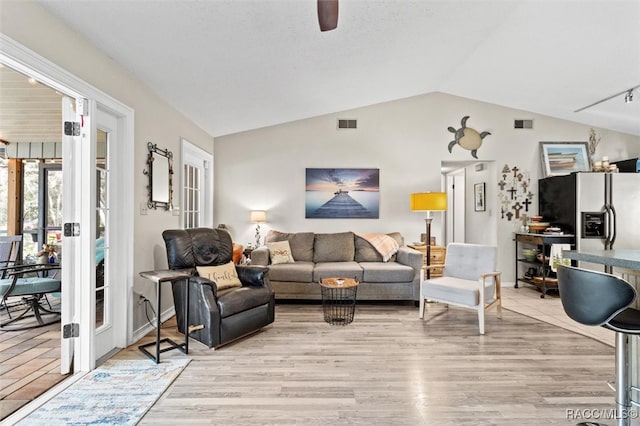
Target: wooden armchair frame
466	284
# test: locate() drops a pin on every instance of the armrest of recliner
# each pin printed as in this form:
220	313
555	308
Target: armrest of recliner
252	275
205	282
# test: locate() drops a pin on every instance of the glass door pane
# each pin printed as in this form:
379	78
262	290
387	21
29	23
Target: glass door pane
52	205
102	216
191	194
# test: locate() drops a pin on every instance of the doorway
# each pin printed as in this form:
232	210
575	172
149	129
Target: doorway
456	207
197	186
83	216
464	222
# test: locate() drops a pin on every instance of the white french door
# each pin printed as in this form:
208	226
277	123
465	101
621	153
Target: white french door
80	208
106	289
196	179
70	271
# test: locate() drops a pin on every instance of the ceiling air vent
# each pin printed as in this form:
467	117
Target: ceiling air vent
347	124
523	124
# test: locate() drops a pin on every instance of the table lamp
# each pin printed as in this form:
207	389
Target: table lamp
258	216
428	201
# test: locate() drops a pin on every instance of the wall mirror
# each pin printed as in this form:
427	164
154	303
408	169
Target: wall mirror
160	171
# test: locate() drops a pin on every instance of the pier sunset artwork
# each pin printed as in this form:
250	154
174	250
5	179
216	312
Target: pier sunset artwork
342	194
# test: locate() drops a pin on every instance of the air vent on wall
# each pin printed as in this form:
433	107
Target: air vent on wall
347	124
523	124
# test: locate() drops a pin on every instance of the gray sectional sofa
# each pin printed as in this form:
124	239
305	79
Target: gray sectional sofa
341	254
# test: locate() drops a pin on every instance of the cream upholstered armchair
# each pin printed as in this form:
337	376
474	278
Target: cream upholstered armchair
469	280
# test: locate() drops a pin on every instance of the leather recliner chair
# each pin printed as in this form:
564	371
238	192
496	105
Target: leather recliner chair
226	314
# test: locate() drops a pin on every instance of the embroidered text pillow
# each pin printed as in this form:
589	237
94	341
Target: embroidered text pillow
280	252
225	276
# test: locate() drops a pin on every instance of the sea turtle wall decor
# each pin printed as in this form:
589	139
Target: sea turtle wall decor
467	137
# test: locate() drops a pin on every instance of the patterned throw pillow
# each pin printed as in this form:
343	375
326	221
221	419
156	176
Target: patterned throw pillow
225	276
280	252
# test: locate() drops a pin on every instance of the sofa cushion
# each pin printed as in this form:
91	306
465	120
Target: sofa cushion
337	269
301	243
336	247
365	252
390	272
225	276
280	252
292	272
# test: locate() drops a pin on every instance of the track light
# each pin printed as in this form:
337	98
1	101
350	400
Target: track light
628	97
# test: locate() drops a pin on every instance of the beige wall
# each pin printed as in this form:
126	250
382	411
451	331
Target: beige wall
407	140
155	120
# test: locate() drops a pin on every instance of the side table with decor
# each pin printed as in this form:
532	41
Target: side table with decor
338	300
438	254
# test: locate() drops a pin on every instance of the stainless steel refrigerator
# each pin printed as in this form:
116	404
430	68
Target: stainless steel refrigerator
601	209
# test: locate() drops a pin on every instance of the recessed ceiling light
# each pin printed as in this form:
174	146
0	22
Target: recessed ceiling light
32	81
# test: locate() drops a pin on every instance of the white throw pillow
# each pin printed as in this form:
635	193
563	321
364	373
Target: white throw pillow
280	252
225	276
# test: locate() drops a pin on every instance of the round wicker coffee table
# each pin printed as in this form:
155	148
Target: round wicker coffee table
338	299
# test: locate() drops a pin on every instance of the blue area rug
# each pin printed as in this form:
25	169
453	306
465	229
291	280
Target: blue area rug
119	392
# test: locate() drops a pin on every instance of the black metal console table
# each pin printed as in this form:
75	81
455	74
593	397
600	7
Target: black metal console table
543	243
159	277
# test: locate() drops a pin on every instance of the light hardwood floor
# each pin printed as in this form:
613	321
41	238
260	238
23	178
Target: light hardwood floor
390	368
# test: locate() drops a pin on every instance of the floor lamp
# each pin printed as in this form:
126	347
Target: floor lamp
428	202
257	217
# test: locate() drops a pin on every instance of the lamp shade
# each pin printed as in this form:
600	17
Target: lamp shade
258	216
428	201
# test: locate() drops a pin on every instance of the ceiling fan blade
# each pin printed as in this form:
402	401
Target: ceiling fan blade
328	14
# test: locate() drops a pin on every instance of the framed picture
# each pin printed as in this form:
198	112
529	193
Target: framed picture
342	194
480	201
562	158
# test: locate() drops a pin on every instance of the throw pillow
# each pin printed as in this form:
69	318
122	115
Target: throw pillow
301	243
225	276
280	252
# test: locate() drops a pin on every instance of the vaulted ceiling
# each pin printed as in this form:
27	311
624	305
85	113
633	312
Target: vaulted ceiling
235	65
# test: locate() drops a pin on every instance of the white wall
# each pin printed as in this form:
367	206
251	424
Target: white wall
406	139
482	226
156	121
264	169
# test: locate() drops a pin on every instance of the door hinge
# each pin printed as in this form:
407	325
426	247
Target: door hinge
71	128
71	229
71	330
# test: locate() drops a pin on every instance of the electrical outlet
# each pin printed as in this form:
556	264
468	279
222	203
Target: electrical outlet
143	208
141	299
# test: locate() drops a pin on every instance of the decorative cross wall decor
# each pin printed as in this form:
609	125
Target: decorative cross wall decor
514	193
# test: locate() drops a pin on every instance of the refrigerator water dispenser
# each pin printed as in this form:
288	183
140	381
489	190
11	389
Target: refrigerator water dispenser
593	225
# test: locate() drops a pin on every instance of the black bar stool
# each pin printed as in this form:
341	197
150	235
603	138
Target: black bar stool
596	298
